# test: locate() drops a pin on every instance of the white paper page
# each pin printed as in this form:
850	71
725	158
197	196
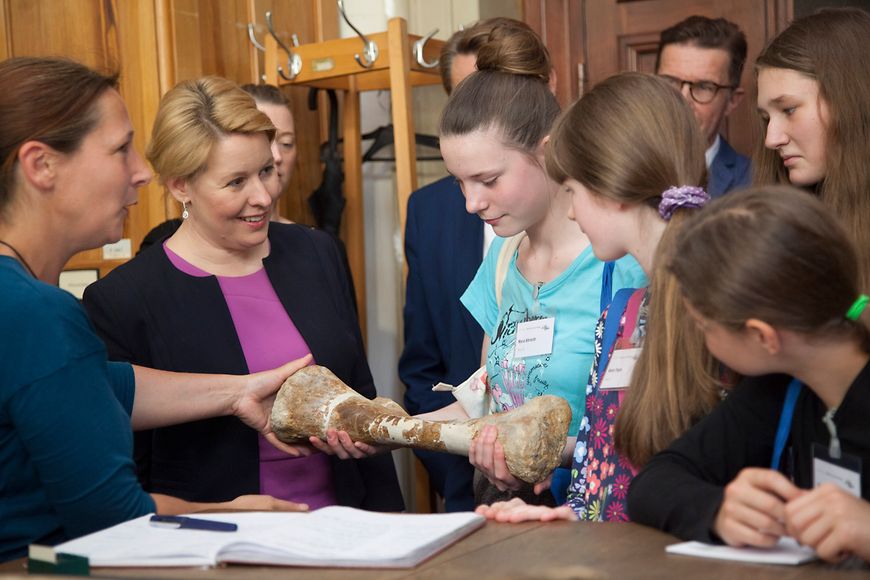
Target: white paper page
345	536
333	536
787	552
137	543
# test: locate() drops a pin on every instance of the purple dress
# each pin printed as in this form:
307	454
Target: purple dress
269	339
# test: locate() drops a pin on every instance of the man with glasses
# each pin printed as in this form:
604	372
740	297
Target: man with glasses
703	59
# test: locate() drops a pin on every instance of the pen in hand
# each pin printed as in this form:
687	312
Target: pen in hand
186	523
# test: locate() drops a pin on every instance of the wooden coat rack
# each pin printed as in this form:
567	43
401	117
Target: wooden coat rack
346	64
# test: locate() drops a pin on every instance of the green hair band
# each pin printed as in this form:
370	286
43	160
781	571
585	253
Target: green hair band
858	307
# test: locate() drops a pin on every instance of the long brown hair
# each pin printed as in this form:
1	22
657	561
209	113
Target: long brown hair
50	100
830	47
772	253
629	139
509	91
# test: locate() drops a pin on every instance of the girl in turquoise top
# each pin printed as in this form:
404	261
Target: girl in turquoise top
493	132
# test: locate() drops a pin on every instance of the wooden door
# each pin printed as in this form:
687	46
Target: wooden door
591	40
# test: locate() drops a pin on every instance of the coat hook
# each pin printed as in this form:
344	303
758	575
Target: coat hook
294	61
370	49
418	51
253	38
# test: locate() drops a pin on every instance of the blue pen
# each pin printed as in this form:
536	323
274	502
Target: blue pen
185	523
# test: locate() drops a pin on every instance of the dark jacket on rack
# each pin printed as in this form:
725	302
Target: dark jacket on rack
152	314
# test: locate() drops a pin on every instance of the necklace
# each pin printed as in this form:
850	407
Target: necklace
19	257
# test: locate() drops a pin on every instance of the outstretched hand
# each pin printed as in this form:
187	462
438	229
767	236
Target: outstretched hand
516	510
254	405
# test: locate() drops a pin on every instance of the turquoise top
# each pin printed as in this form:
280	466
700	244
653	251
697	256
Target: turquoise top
573	298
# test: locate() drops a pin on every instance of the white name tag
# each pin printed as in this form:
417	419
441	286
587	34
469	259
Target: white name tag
534	338
845	472
619	369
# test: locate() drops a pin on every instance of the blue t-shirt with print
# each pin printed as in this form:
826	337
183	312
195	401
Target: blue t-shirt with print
573	298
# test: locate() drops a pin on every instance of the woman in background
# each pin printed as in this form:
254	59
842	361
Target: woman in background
275	104
230	292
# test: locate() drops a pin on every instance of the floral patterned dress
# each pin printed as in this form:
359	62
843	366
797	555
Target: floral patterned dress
600	477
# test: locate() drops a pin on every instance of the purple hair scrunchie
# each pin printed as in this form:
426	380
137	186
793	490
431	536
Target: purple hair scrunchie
683	196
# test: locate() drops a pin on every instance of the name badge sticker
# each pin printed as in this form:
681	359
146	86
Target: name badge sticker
619	369
844	472
534	337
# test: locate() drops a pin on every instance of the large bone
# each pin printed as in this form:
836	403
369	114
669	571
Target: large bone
313	400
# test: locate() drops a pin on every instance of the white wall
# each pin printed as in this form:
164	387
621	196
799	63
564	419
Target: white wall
384	253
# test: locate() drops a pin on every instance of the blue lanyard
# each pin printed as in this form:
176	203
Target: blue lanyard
606	284
782	431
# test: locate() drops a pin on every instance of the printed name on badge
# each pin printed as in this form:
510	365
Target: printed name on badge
534	337
619	369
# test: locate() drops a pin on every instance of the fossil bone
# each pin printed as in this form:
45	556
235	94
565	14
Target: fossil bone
313	400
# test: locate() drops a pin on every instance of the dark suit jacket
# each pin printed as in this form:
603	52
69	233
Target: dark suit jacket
443	249
729	170
151	314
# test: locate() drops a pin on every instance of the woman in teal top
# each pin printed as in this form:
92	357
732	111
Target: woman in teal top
68	173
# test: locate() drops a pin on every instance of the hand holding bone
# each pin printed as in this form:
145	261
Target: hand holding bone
313	400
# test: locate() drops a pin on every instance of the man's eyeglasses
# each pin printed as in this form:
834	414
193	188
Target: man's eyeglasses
702	92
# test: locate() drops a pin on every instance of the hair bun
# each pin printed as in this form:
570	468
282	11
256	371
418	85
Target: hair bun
515	50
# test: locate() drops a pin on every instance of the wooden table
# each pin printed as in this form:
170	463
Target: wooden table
520	551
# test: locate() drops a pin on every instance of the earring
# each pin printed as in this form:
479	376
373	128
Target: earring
184	213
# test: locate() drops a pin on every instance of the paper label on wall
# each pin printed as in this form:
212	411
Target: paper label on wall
120	250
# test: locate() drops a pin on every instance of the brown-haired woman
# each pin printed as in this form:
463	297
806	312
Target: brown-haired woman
631	155
69	173
275	104
772	280
493	132
230	292
814	105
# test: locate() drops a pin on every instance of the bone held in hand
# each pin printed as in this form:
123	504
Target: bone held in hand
313	400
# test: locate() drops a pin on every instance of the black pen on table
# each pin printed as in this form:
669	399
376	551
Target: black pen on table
186	523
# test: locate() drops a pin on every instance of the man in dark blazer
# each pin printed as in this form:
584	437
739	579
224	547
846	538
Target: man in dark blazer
703	58
444	247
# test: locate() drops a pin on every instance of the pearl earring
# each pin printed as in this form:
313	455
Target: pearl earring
184	214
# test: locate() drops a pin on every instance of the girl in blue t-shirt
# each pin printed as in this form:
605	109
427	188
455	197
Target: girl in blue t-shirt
537	295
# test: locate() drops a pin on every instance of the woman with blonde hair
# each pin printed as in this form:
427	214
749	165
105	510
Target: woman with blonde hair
631	155
231	292
68	175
